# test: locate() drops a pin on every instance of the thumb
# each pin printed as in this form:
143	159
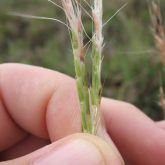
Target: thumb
75	149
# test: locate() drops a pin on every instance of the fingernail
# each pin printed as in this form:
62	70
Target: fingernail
76	152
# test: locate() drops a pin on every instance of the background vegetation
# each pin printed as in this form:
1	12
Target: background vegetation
131	62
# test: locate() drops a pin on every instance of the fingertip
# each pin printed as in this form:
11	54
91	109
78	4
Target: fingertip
95	150
75	149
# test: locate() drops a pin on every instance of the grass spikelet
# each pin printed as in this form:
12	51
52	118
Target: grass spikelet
73	14
159	36
97	41
89	96
158	30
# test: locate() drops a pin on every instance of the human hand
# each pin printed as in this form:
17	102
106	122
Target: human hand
33	96
38	106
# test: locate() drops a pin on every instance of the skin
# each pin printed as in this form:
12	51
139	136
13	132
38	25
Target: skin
39	111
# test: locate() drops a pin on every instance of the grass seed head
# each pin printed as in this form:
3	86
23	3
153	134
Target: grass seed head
97	13
158	30
73	14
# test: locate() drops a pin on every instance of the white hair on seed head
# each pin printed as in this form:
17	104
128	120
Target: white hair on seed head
97	12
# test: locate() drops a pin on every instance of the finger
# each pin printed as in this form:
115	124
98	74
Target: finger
8	129
76	149
161	124
24	147
137	137
29	94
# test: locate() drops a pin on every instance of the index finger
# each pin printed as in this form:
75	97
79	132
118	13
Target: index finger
139	139
34	99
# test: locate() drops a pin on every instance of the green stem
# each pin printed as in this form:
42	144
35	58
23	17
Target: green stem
82	87
96	87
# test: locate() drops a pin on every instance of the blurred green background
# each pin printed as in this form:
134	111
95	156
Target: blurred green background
131	63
